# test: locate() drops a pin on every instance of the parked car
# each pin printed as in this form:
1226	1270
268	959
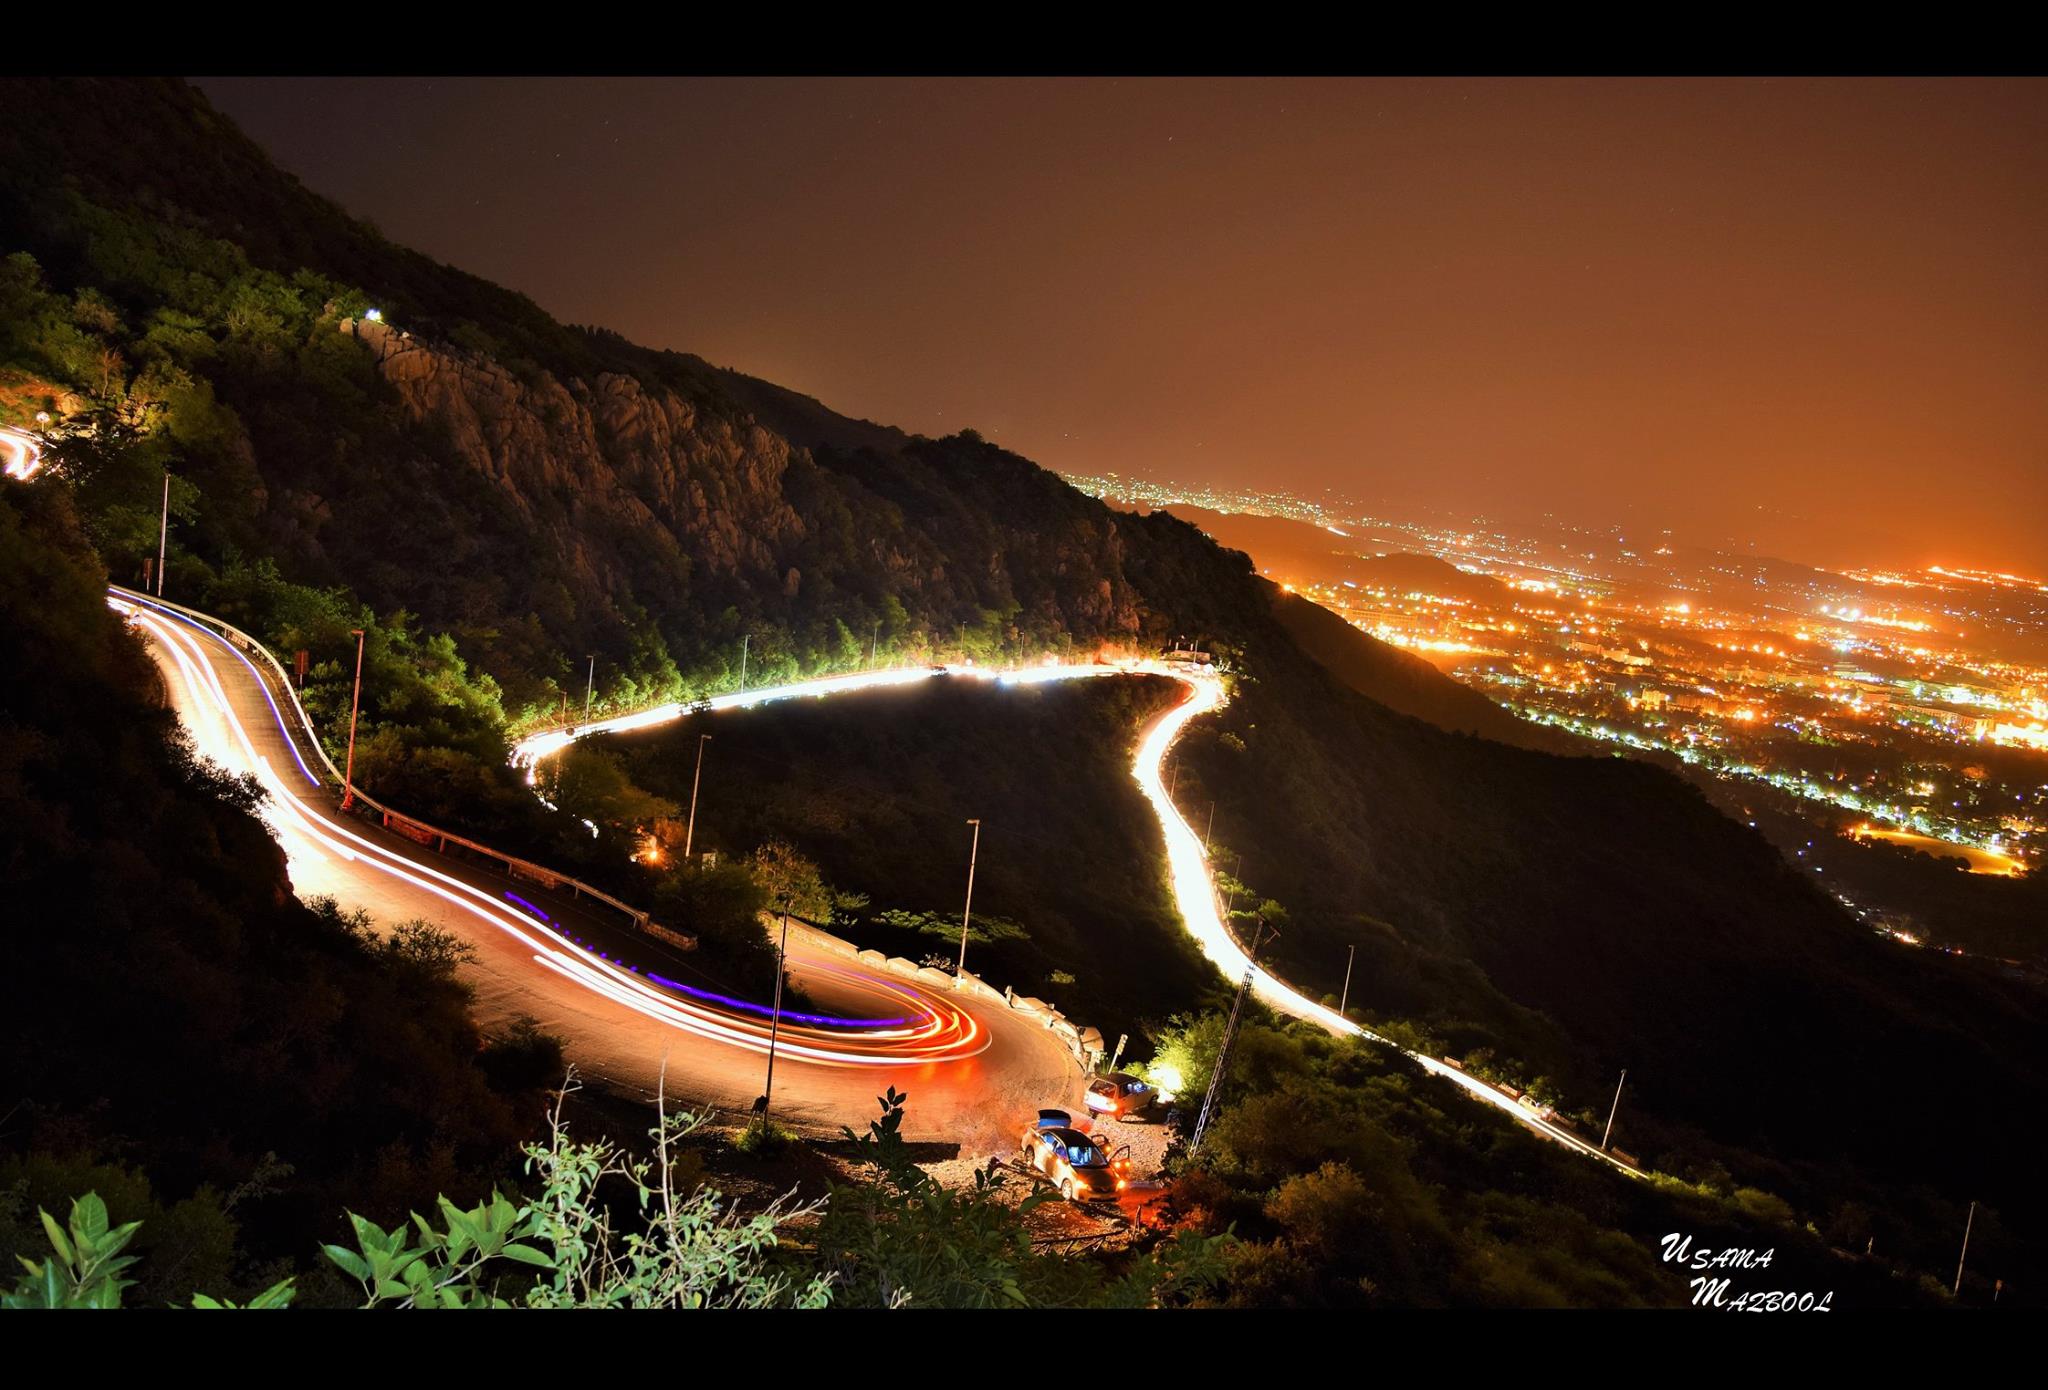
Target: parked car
1121	1096
1074	1162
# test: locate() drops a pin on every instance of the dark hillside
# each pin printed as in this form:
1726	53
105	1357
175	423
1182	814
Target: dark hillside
1070	888
1490	890
169	1003
1406	683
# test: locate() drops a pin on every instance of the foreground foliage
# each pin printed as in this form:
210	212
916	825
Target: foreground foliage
603	1229
672	1246
86	1267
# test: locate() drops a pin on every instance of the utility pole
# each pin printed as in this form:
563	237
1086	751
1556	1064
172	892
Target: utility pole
1173	786
589	686
163	535
1350	954
775	1020
1609	1133
973	853
1209	835
1957	1291
1229	1036
874	644
690	835
348	778
743	661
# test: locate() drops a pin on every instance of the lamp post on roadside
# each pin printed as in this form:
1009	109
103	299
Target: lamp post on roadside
744	640
874	644
690	833
1350	954
1962	1259
348	778
973	853
589	686
163	535
775	1019
1609	1132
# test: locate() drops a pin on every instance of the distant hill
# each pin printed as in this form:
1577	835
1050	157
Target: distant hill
1400	573
1405	682
1298	552
1289	550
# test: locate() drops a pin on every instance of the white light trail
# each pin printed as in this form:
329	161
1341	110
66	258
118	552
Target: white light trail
946	1032
1189	868
943	1031
1194	889
21	453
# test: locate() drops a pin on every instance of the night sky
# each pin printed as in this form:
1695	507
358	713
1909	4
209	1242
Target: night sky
1808	315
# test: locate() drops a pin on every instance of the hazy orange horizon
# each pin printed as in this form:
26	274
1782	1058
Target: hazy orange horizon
1811	315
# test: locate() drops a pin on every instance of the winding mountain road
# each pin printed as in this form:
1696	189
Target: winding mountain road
626	1007
1192	873
970	1065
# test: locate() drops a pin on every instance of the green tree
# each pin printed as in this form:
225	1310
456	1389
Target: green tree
793	882
591	783
86	1268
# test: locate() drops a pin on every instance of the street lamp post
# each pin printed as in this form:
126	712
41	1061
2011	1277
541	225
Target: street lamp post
1350	954
775	1019
1962	1259
874	644
589	686
973	853
690	833
1609	1133
163	535
348	778
744	640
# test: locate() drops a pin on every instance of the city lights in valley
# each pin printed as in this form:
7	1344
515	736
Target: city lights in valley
1845	690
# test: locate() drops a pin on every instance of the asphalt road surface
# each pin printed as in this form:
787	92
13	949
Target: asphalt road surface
631	1012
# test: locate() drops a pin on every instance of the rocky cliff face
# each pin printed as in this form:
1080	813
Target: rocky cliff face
578	461
642	494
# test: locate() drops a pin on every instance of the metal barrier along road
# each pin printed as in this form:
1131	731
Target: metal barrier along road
419	831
